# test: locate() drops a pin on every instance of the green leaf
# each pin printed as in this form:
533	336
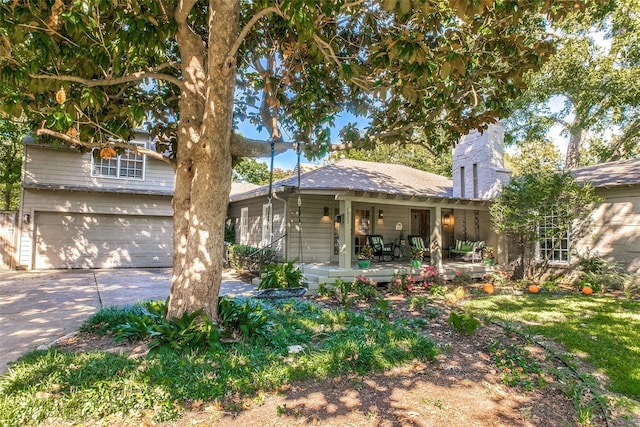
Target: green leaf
405	6
389	5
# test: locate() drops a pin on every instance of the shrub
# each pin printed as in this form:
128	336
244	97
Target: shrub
430	276
242	315
364	288
191	333
461	278
326	291
550	285
399	284
498	278
463	322
243	257
229	232
282	275
417	302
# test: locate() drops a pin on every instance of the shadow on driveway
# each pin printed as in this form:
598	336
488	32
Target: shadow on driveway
38	307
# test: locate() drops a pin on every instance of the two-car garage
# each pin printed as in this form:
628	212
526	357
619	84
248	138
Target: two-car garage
81	240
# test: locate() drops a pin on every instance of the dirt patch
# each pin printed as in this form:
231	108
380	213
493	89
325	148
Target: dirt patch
463	387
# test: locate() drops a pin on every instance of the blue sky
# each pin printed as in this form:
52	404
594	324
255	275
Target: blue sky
288	159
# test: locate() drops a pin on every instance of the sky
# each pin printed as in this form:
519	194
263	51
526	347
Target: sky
289	159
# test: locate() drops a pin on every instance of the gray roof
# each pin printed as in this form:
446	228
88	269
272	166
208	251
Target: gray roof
356	175
625	172
242	187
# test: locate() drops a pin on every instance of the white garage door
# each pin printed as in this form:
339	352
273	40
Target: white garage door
102	241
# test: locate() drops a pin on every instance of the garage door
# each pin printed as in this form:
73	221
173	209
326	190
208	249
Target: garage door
102	241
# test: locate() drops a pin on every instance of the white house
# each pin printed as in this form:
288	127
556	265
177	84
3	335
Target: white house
79	211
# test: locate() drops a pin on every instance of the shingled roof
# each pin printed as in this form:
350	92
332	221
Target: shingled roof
356	175
625	172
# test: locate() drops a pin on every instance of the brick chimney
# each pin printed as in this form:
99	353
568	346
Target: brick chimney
478	164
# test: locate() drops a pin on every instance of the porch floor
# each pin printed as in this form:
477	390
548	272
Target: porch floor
328	273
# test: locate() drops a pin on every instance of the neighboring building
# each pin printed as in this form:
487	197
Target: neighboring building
616	233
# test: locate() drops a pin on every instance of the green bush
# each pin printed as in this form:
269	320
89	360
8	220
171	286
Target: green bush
463	322
244	257
239	256
229	232
191	333
282	275
107	320
242	315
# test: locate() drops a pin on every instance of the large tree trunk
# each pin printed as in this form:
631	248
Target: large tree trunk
203	174
576	141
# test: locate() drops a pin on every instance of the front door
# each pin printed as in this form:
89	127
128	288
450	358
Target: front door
420	225
361	227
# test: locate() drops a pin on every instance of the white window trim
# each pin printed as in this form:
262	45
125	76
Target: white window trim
244	226
118	160
567	237
267	224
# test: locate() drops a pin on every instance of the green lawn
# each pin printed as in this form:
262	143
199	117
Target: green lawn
58	385
604	331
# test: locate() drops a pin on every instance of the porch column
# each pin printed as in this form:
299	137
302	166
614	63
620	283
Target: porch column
346	242
436	238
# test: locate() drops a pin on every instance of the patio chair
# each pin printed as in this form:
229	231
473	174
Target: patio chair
380	249
418	243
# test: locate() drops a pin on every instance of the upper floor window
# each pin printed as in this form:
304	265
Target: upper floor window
554	244
128	165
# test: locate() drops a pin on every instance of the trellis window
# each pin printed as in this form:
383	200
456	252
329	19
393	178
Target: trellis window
128	165
554	244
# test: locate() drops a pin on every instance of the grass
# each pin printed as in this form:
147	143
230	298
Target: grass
56	385
603	331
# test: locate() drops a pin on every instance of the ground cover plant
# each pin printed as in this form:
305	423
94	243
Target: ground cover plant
362	353
601	330
54	384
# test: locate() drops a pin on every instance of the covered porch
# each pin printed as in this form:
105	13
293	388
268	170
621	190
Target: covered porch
329	272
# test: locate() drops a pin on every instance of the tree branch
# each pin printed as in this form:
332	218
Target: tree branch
249	25
137	149
183	10
141	75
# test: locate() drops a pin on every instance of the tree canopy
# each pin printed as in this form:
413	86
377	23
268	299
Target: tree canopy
255	172
543	198
11	150
596	75
90	72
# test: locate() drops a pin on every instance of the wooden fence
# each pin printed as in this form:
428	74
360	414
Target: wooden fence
8	235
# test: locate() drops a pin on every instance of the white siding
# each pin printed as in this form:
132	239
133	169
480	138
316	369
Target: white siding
616	233
73	169
314	233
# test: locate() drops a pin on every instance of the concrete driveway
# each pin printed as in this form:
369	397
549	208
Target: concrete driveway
38	307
